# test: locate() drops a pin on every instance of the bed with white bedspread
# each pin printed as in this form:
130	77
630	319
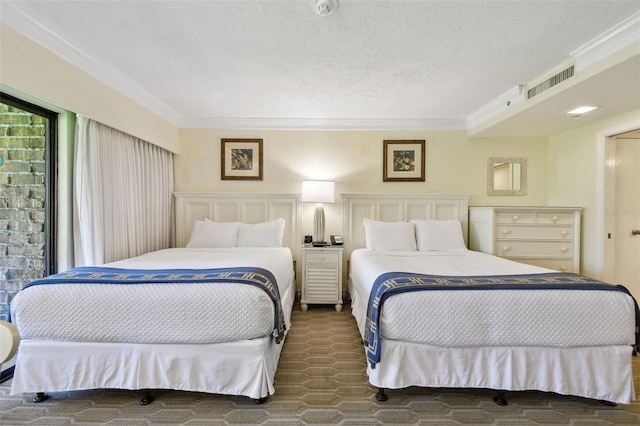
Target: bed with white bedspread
196	318
567	340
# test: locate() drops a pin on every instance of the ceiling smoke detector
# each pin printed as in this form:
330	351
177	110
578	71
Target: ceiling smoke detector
325	7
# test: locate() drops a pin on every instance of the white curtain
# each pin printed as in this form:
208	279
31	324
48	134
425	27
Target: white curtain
123	195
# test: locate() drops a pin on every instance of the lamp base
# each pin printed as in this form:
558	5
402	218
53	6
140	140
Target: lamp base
318	225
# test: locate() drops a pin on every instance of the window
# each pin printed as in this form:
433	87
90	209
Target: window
28	164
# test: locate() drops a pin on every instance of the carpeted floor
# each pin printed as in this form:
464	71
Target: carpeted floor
321	380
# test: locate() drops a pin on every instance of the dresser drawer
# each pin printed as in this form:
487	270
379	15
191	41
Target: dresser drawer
534	248
320	256
551	217
561	265
534	232
515	217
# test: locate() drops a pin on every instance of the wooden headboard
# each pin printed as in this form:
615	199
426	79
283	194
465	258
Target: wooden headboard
239	207
397	208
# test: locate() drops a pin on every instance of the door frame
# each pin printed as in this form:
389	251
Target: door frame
605	198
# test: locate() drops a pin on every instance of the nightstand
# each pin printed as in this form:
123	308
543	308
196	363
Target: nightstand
321	276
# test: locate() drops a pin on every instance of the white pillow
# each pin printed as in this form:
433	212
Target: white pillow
389	235
265	234
209	234
439	235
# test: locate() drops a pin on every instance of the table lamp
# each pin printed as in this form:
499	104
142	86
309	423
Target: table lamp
318	191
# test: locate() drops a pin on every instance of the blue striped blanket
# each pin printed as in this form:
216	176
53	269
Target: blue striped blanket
257	277
392	283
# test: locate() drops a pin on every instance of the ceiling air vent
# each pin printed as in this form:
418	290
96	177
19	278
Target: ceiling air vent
550	82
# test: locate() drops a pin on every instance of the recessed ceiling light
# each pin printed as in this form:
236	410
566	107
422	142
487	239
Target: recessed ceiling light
581	110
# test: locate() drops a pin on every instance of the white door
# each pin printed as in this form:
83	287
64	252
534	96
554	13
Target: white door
627	215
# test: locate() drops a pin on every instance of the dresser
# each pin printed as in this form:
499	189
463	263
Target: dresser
321	276
541	236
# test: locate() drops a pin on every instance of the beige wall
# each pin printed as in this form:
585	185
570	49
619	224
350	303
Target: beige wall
455	164
572	164
28	67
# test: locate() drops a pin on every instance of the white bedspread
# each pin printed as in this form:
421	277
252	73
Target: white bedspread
158	313
543	318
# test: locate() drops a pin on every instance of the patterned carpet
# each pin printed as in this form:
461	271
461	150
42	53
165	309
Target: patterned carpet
321	380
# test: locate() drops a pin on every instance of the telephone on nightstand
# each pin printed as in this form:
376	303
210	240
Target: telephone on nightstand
336	240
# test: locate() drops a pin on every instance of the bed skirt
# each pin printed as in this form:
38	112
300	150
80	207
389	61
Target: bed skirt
564	371
236	368
246	367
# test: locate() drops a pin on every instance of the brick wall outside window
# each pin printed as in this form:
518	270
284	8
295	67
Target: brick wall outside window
22	201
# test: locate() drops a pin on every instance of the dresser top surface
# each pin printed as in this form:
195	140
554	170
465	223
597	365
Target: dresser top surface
527	208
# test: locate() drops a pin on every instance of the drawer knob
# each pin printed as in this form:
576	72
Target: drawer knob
322	258
505	231
555	218
505	248
564	232
516	217
563	249
563	268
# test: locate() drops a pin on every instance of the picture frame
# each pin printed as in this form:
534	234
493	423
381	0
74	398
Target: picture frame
403	161
241	159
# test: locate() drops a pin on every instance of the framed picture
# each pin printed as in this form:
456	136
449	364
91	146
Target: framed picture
403	161
241	159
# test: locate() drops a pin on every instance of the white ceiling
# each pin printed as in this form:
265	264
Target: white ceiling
370	65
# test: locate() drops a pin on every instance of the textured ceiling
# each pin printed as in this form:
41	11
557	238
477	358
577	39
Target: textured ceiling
216	63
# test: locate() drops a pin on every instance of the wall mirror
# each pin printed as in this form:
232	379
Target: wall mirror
507	176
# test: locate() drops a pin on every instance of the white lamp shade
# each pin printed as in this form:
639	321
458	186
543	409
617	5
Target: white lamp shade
318	191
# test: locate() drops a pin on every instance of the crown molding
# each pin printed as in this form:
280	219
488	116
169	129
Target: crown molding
323	123
601	47
499	105
17	18
609	42
14	16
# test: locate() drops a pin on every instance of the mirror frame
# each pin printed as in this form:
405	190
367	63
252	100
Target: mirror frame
523	176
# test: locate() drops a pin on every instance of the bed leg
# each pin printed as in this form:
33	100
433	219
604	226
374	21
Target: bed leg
381	396
500	398
260	400
147	398
40	396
